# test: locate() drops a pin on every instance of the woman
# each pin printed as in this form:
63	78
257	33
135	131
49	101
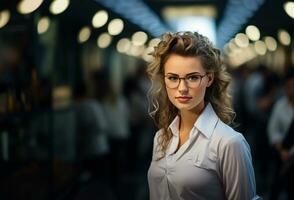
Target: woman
196	155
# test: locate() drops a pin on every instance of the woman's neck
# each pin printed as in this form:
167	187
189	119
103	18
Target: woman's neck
189	117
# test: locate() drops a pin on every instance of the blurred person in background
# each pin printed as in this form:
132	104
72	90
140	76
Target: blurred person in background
116	113
260	93
287	156
239	77
92	141
140	142
196	155
253	90
279	123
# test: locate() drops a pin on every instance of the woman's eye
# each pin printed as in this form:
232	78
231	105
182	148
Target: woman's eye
193	78
173	78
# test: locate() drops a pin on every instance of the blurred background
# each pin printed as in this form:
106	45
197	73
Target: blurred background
74	118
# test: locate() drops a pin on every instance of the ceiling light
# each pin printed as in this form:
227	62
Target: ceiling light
136	50
4	17
43	25
270	43
115	26
199	18
236	14
28	6
289	8
241	40
137	12
284	37
100	19
260	47
232	45
139	38
104	40
84	34
58	6
253	33
123	45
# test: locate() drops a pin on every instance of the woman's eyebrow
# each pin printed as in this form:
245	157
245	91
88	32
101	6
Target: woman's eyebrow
192	73
170	73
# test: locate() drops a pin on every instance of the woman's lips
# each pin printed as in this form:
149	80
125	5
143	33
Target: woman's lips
183	99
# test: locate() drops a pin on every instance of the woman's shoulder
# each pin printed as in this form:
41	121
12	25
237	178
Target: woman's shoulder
225	135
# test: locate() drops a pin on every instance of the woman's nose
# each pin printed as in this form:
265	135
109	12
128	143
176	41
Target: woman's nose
183	87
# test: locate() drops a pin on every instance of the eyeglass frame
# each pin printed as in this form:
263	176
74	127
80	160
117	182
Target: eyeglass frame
185	79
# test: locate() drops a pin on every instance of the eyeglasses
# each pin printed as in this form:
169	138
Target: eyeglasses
193	80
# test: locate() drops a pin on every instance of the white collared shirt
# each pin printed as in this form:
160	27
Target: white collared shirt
214	163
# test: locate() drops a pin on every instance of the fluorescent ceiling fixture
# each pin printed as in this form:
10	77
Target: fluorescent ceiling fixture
192	18
100	19
242	40
252	32
203	25
115	26
176	11
139	38
137	12
58	6
289	8
236	14
28	6
284	37
43	25
4	17
104	40
84	34
260	47
270	43
123	45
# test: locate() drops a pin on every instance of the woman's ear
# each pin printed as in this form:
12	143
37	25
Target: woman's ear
210	77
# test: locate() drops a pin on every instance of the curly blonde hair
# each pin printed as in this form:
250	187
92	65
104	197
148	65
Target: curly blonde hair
191	45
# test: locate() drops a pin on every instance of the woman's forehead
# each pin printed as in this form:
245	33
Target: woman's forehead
183	65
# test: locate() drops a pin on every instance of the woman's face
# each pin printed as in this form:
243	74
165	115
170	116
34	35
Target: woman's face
186	94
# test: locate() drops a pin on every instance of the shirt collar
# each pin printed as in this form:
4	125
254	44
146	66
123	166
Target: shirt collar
174	126
207	121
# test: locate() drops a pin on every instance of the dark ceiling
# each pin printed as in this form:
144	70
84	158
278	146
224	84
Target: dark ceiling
268	18
271	17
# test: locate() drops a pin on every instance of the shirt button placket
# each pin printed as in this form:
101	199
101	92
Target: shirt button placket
169	164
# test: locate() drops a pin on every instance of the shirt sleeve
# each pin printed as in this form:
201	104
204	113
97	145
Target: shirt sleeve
237	170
